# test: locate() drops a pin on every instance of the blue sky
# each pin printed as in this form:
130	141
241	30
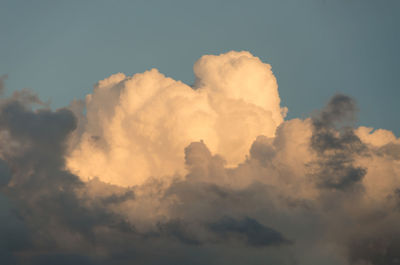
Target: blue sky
316	47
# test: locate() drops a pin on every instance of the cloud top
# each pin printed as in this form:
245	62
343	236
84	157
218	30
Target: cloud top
136	127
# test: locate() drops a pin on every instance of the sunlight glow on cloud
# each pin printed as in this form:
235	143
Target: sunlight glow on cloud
136	127
148	170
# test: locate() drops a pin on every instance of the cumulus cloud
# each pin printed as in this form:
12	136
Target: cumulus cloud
146	120
148	170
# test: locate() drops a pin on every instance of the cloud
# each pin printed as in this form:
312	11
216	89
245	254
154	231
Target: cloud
254	233
336	149
146	120
148	170
2	81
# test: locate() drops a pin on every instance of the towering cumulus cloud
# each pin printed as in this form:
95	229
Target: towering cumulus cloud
148	170
136	127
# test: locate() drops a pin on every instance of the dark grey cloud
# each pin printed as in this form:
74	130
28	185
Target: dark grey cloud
5	173
340	108
249	230
376	240
46	196
14	235
378	250
2	85
178	230
62	259
336	149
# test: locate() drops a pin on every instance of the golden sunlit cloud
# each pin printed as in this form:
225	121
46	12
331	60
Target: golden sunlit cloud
137	127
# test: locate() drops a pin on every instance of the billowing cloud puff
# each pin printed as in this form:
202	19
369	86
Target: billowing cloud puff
151	171
136	127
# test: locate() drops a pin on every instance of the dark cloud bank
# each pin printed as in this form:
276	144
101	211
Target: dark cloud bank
50	216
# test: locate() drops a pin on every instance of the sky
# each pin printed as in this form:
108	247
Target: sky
316	47
209	133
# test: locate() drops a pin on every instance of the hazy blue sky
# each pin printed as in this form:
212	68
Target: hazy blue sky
316	47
